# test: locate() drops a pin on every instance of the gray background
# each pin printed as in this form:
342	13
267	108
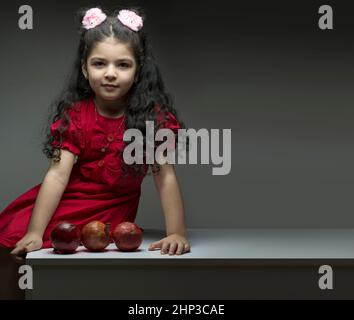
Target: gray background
262	68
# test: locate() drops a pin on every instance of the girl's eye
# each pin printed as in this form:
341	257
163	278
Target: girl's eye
123	65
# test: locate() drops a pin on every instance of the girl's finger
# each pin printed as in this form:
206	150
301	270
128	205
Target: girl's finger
187	247
155	245
164	248
180	248
30	247
173	247
19	258
18	254
18	250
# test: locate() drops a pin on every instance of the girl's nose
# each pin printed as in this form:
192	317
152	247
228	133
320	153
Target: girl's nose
111	72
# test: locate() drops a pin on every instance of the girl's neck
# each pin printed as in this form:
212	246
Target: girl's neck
113	109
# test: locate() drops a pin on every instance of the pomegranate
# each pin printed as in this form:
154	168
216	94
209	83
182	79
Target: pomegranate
65	237
127	236
95	236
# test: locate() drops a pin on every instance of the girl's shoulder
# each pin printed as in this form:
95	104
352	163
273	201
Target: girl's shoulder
79	106
166	119
71	118
79	112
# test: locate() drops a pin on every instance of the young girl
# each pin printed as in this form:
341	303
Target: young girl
115	85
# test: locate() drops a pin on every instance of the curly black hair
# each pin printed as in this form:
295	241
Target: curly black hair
145	94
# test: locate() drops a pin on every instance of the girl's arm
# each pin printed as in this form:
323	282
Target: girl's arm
172	205
50	193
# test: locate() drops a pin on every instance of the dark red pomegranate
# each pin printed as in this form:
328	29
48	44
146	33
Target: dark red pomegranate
65	237
127	236
95	236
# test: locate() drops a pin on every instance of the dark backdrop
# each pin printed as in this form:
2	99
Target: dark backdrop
262	68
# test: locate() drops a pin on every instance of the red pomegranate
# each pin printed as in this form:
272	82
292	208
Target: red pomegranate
65	237
127	236
95	236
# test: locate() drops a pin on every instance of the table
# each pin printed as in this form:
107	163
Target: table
223	264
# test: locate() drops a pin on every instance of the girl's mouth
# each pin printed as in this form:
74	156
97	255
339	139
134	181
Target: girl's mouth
110	87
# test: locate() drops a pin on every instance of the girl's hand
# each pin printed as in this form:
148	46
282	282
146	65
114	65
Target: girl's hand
30	242
171	244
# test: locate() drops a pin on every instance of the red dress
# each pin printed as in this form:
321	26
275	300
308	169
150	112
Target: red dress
96	189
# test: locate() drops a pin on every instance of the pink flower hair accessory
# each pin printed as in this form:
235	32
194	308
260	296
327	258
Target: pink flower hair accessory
130	19
93	18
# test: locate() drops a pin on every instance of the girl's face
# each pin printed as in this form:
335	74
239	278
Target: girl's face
110	69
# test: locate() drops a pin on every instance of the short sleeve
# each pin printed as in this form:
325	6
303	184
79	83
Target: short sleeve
71	138
168	122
